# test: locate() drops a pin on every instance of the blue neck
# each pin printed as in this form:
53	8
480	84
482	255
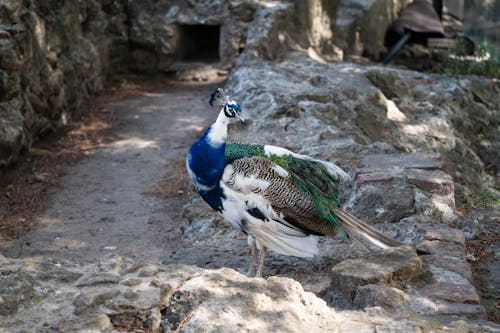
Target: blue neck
207	162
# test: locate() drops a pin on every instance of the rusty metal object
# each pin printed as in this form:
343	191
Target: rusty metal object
416	23
419	17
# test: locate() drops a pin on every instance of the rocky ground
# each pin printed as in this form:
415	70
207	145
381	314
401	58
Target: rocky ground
125	245
118	294
118	241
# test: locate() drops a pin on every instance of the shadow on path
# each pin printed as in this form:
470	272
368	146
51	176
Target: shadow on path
102	205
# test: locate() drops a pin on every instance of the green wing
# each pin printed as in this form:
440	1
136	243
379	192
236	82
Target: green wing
235	151
308	175
311	177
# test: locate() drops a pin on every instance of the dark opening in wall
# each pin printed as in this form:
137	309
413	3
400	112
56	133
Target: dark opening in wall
199	43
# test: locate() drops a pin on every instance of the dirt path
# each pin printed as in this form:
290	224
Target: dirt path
123	199
102	204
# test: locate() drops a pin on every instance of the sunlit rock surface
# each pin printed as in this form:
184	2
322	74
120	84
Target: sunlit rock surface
118	294
415	145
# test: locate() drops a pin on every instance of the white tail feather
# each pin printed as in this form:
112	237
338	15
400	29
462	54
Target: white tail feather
298	246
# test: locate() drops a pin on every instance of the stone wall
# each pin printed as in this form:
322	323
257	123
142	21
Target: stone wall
156	34
340	29
333	30
53	55
56	53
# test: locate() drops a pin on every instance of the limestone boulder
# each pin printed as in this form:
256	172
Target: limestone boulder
396	267
380	295
115	294
342	112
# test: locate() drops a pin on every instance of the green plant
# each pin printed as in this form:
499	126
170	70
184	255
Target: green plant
482	51
479	64
486	199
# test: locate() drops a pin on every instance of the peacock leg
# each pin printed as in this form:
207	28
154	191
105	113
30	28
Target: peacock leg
262	259
253	262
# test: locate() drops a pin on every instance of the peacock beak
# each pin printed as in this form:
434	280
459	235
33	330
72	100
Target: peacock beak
240	117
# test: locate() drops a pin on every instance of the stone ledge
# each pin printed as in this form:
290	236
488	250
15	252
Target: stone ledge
395	267
187	298
459	309
459	293
436	247
431	181
98	279
374	162
380	295
443	233
450	264
374	177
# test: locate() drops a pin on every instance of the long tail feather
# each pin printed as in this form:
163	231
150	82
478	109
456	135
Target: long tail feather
363	233
277	241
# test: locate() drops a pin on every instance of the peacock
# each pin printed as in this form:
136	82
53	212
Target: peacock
280	199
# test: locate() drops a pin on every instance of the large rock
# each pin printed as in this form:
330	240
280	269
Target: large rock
17	289
380	295
118	294
393	131
396	267
344	112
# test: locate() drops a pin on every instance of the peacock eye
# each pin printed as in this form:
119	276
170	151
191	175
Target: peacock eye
229	112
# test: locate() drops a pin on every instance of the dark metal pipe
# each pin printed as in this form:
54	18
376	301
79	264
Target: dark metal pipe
396	47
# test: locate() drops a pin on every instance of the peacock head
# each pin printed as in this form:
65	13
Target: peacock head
218	96
231	108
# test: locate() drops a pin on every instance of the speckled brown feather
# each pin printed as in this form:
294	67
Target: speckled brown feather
284	196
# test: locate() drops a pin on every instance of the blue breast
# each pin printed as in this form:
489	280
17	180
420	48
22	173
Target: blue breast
207	164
